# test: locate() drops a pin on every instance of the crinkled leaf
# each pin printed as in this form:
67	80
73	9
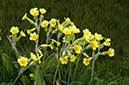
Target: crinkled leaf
38	77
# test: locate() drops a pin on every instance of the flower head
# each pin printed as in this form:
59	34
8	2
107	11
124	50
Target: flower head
86	61
14	30
94	45
107	42
22	34
111	52
60	27
44	23
78	49
73	58
67	31
28	31
53	22
33	56
51	46
63	60
33	36
34	12
87	32
31	75
22	61
42	10
74	29
98	36
25	16
67	20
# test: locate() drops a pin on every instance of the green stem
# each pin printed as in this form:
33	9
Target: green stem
69	74
92	72
56	74
16	78
59	75
76	69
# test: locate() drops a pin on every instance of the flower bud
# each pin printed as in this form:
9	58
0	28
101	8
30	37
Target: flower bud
69	54
104	53
88	46
63	54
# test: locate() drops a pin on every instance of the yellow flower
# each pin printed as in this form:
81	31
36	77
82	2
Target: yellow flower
74	29
107	42
22	34
31	75
111	52
58	43
42	10
44	23
60	27
94	45
51	46
67	31
86	38
86	61
63	60
72	24
53	22
14	30
78	49
73	58
25	16
34	12
23	61
87	32
98	36
28	31
33	36
67	20
33	56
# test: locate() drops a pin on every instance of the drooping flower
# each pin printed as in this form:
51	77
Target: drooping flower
78	49
94	45
60	27
67	20
33	36
44	23
34	12
73	58
22	34
67	31
42	10
86	61
33	56
111	52
25	16
14	30
63	60
23	61
50	45
107	42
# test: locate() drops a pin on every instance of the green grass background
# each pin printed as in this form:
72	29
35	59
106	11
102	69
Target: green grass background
107	17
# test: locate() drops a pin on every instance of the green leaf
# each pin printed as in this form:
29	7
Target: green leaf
95	81
75	82
86	76
38	77
48	63
5	60
112	83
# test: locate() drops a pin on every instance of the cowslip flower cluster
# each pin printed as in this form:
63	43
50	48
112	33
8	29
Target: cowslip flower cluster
70	49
